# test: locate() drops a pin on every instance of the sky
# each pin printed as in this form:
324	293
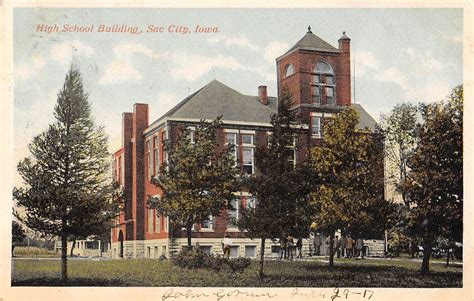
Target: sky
400	55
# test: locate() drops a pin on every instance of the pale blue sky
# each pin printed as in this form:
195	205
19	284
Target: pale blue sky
400	55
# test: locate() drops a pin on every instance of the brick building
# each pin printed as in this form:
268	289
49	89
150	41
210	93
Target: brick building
318	76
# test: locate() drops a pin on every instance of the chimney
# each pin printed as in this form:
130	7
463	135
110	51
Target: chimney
262	94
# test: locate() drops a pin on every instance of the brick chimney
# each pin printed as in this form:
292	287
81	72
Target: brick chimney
262	94
344	81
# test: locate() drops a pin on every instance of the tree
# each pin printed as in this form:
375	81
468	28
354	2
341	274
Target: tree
280	188
18	235
349	165
67	189
199	178
435	181
399	128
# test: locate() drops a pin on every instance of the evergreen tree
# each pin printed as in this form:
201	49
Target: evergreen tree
18	234
67	189
199	179
349	165
435	180
281	188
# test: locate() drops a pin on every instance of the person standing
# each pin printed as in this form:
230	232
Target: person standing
337	245
299	247
311	243
283	243
226	243
342	244
318	241
360	247
290	245
349	246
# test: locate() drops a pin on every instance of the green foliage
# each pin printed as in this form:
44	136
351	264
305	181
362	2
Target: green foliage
435	180
67	191
399	128
196	258
18	234
199	178
349	165
281	189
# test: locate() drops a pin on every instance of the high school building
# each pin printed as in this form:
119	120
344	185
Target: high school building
318	76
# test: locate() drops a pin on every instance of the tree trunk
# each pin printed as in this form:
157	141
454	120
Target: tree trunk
425	265
447	258
262	256
64	257
331	250
189	233
72	248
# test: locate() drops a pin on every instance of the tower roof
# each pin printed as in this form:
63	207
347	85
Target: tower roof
310	41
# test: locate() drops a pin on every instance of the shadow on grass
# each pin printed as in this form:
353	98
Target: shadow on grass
71	282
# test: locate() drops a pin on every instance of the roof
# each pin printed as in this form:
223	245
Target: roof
365	120
311	41
216	99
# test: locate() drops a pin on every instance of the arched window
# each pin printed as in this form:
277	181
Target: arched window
290	70
323	84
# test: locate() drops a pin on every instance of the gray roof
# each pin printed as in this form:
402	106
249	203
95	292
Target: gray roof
365	120
216	99
312	42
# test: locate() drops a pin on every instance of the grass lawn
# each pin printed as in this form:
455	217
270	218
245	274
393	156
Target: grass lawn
143	272
35	252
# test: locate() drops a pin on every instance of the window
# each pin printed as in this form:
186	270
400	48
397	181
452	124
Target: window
290	70
156	155
157	223
247	160
150	220
323	84
316	126
206	249
248	154
148	159
250	251
155	252
233	212
250	202
192	134
292	152
207	223
231	139
234	251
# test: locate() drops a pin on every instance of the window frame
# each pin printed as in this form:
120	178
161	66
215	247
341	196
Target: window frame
320	82
319	133
231	225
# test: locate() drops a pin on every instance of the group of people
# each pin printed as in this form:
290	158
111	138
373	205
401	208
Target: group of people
345	246
289	245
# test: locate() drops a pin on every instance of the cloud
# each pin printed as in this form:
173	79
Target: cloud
190	67
274	49
121	69
365	61
241	41
270	52
392	75
431	92
27	70
165	101
425	61
457	38
63	52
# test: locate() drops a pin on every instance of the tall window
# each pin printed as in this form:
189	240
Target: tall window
233	212
231	139
157	222
156	154
316	126
248	154
150	220
148	159
323	84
